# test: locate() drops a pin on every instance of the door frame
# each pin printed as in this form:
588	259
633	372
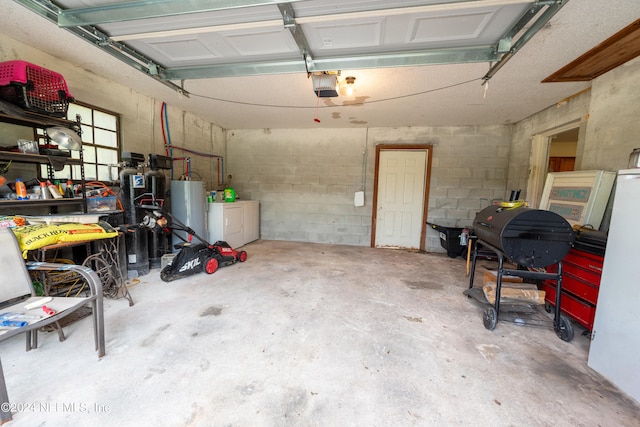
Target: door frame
428	148
539	160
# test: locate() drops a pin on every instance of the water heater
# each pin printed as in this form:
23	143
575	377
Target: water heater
188	205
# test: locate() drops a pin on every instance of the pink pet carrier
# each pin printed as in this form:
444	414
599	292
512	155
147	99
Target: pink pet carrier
34	88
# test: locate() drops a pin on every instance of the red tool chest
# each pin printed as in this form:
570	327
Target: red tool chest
580	284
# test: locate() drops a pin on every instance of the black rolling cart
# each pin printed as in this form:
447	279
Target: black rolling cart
532	239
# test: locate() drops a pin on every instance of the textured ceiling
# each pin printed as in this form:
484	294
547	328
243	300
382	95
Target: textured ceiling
426	95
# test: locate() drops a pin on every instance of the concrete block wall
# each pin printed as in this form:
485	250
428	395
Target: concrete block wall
202	140
573	110
306	179
613	128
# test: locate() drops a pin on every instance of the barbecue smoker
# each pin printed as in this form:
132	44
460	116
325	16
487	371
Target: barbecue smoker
532	239
529	237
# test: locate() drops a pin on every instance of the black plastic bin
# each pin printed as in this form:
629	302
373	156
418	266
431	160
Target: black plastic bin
593	242
450	240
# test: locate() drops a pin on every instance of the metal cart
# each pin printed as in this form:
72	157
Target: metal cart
532	239
519	312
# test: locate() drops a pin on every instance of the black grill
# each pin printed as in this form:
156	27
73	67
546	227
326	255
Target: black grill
529	237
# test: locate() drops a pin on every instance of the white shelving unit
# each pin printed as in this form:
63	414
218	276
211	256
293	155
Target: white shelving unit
38	121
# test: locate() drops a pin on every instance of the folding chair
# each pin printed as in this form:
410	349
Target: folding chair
21	310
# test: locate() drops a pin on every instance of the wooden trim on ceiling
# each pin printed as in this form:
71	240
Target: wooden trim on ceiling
616	50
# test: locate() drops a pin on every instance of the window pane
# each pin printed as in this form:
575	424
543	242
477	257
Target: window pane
40	136
87	134
107	157
104	173
85	113
90	172
109	172
106	138
89	154
77	173
104	120
63	174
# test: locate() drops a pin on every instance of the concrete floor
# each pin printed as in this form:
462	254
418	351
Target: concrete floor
309	334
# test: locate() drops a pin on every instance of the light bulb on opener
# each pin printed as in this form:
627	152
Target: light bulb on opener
350	81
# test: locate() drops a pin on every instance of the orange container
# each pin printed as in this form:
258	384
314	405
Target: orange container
21	190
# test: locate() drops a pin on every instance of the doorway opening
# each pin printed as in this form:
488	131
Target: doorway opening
551	151
400	196
562	151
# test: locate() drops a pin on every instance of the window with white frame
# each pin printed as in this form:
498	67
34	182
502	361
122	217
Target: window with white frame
100	144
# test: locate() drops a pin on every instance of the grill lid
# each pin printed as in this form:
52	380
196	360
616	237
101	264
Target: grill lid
529	237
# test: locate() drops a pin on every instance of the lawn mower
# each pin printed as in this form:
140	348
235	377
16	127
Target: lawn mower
192	257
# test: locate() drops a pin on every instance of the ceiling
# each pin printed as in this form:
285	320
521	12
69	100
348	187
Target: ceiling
246	63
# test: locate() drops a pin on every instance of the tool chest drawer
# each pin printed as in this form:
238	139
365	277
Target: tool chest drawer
580	288
583	265
578	309
581	272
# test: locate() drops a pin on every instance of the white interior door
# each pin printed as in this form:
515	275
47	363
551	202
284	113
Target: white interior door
400	201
